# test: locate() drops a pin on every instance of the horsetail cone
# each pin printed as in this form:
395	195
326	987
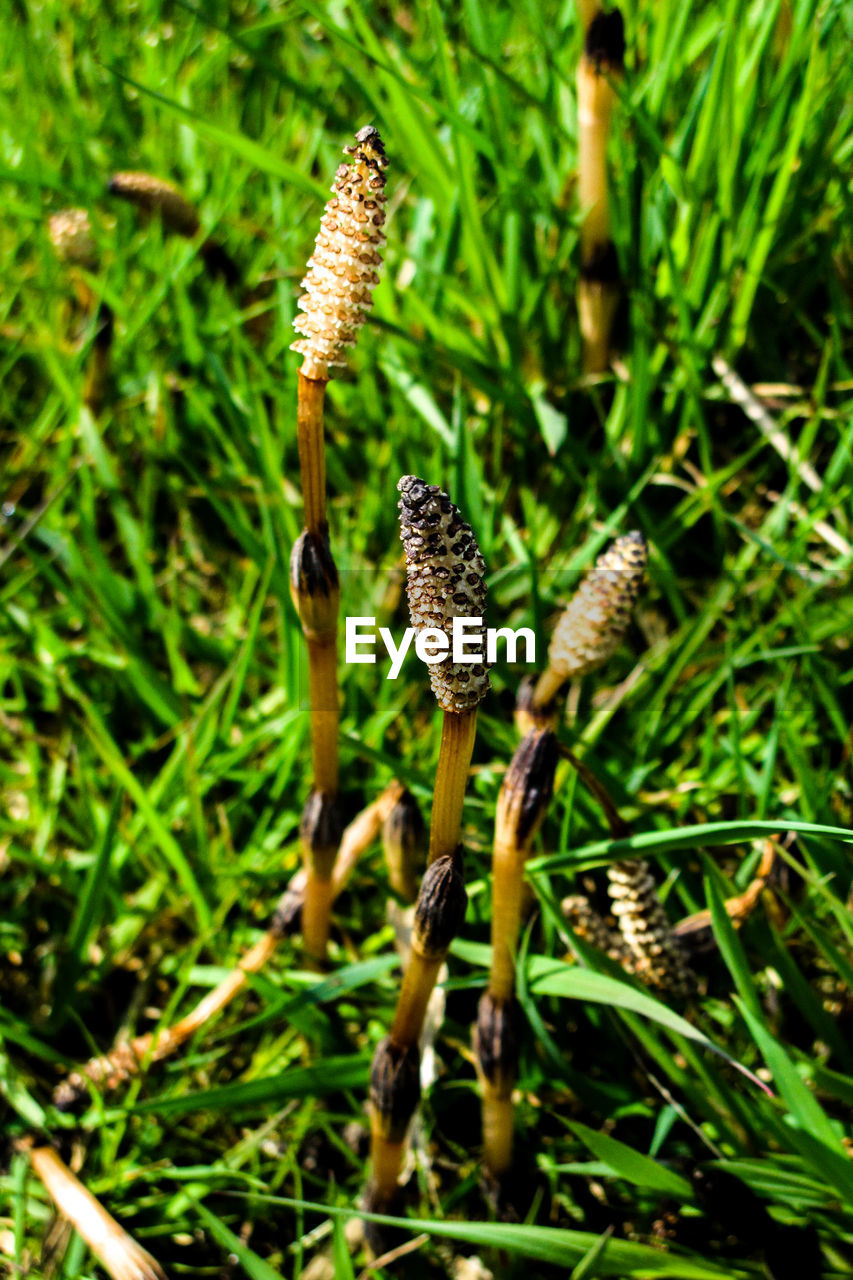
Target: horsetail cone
444	580
70	233
657	955
343	270
594	621
154	195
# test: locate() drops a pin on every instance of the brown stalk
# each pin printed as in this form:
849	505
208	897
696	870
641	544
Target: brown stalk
444	580
342	273
112	1069
117	1251
598	289
522	803
458	731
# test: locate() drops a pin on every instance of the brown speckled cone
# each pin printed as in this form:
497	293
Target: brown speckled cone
156	195
343	270
444	580
595	619
657	955
70	233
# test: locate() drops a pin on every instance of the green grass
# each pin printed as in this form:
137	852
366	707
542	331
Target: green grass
153	729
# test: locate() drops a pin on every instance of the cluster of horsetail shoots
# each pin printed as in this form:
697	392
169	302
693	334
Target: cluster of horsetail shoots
118	1253
522	803
73	241
444	580
591	627
598	289
342	273
110	1070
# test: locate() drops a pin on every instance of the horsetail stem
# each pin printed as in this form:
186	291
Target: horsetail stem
522	803
315	593
591	627
444	581
404	846
342	273
458	730
110	1070
598	288
320	832
439	912
496	1046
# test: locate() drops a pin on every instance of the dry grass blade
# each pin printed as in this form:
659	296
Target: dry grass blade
117	1252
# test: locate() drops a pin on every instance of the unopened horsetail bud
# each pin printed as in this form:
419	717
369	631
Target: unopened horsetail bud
604	43
320	830
440	908
404	845
344	267
594	621
527	789
496	1044
157	196
395	1088
497	1041
444	580
314	586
